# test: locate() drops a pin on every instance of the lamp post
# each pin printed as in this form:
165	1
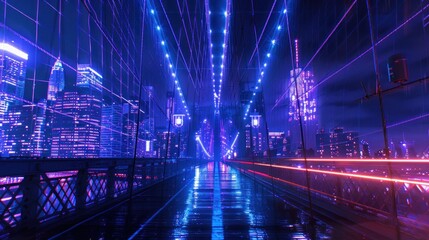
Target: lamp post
178	120
255	122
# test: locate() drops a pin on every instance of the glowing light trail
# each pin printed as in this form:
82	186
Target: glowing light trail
343	174
202	146
232	145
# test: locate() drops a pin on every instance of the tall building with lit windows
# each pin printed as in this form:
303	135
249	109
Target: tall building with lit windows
323	144
56	80
339	144
111	131
130	111
40	144
13	64
87	130
302	90
55	85
344	144
18	129
65	117
77	117
248	141
278	143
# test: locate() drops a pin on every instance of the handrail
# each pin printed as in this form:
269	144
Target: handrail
38	191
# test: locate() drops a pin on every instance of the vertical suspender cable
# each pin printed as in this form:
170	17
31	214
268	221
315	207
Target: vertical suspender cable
307	173
394	210
140	98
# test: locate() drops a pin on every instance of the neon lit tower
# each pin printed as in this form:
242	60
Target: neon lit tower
77	117
307	108
89	86
111	137
56	80
56	85
13	63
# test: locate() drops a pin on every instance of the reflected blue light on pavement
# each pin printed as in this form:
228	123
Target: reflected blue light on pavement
217	221
254	233
191	201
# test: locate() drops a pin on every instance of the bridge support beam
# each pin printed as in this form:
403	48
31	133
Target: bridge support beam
110	185
81	186
217	139
130	178
30	191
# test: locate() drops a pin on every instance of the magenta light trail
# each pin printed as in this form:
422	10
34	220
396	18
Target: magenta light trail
343	174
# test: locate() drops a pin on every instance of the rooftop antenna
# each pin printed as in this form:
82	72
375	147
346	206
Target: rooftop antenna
296	54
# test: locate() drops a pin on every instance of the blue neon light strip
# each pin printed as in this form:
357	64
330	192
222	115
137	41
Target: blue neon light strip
218	72
204	149
267	57
167	55
232	145
217	218
227	14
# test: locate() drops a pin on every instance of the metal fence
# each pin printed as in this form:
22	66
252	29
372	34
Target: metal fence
34	191
354	187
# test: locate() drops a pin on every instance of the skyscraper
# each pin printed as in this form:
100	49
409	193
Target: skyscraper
55	86
276	143
339	144
259	143
12	80
207	137
13	64
162	143
64	120
307	105
130	111
323	149
344	144
18	129
248	141
111	131
56	80
77	117
39	142
148	108
87	129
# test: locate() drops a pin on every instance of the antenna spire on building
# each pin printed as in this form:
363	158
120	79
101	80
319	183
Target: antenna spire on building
296	54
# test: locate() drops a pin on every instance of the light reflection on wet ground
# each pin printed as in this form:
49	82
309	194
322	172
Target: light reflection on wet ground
217	202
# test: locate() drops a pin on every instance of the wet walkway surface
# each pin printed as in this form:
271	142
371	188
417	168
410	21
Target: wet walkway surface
216	202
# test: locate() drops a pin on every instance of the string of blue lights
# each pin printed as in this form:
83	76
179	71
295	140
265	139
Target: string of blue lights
267	57
218	50
172	68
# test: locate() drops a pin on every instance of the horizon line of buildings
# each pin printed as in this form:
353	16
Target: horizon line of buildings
73	123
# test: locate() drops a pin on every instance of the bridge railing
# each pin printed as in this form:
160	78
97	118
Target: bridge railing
34	191
361	186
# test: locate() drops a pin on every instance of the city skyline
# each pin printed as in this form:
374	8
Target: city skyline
340	77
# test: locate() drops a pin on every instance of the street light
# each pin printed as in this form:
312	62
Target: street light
255	120
178	120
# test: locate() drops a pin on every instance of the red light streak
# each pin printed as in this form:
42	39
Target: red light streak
364	160
343	174
316	191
